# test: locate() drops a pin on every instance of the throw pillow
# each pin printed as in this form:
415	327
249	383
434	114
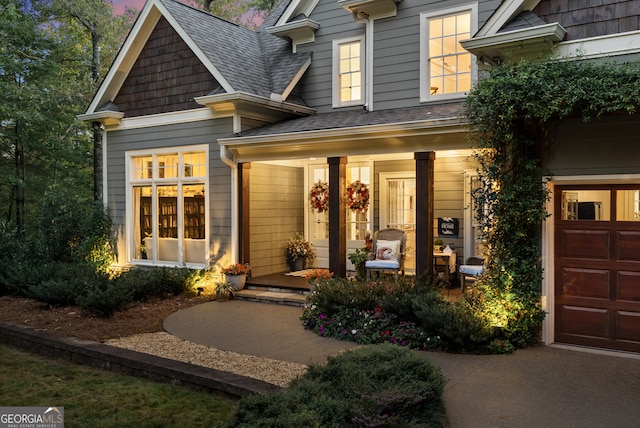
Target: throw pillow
387	250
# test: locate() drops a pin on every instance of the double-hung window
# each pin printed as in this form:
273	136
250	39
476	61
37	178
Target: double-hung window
167	206
348	72
447	70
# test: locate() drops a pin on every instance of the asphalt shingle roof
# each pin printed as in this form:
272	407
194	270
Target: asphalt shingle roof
356	118
525	19
254	62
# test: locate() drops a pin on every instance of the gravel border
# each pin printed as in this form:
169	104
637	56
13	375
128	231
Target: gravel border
165	345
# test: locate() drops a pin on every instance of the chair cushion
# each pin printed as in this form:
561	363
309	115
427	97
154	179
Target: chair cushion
382	264
471	269
387	250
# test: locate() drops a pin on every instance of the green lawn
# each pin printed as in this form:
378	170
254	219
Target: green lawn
97	398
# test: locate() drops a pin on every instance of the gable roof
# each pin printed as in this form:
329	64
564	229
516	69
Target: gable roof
513	31
507	11
241	60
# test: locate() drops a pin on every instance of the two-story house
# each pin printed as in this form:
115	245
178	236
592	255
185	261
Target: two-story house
214	136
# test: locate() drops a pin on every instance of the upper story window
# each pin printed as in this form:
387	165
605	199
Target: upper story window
447	70
348	72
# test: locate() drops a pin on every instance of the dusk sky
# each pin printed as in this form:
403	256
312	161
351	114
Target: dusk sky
119	5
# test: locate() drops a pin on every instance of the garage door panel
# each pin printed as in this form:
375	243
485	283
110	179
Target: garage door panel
597	266
589	283
628	248
629	286
586	244
628	326
592	322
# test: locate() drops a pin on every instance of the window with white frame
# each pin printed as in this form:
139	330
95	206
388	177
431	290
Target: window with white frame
166	208
447	69
348	72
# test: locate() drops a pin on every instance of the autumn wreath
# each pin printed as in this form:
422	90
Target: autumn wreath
319	196
357	196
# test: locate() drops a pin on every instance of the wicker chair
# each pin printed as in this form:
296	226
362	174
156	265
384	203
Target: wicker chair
470	271
395	265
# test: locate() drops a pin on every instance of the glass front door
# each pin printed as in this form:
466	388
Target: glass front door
398	210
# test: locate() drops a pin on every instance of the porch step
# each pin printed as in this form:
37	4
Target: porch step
276	295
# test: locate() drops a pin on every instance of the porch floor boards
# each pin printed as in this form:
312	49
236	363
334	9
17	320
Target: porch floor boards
280	280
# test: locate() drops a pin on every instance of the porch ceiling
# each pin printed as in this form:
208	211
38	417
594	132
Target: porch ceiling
416	136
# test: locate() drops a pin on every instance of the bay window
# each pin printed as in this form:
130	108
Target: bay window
167	209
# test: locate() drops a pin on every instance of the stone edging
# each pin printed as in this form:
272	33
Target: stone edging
131	363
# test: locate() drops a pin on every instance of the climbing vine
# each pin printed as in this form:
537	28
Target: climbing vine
511	113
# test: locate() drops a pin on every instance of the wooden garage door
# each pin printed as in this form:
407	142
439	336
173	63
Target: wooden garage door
597	266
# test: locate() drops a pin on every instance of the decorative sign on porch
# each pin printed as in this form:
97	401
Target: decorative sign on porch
448	226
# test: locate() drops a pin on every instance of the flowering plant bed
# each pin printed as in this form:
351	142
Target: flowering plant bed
316	275
403	312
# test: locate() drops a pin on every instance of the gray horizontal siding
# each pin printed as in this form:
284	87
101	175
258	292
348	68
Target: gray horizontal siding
396	59
277	213
176	135
602	146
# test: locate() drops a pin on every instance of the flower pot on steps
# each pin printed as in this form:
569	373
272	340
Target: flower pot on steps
237	281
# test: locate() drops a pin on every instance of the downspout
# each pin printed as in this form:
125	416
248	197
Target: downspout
227	158
364	18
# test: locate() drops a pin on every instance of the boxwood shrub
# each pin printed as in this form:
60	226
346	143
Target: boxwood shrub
373	386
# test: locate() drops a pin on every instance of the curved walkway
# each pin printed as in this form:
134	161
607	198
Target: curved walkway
535	387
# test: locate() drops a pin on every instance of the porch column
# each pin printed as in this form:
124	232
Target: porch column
337	217
424	212
244	181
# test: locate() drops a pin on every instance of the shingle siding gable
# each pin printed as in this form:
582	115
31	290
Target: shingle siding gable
165	77
591	19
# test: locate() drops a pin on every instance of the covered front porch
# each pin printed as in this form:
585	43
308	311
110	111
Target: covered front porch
415	172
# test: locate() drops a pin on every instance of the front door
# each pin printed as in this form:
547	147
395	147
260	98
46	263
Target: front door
597	266
358	221
318	216
398	210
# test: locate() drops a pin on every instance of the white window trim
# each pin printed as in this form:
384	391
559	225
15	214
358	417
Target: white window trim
131	182
336	71
425	92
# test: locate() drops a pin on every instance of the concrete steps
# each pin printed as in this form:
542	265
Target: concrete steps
274	295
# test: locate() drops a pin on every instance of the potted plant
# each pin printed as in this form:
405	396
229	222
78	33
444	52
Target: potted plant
358	259
438	244
236	274
225	290
298	251
361	255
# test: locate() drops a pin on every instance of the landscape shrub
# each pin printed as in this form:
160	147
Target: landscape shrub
373	386
65	283
331	296
14	275
95	246
155	282
415	316
59	225
105	299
